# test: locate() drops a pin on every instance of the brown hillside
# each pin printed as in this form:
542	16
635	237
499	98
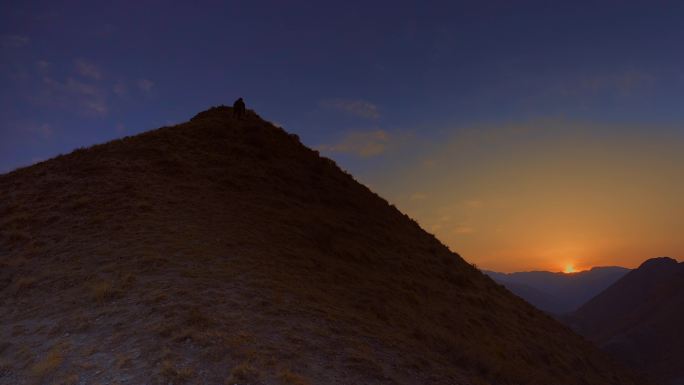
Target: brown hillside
222	251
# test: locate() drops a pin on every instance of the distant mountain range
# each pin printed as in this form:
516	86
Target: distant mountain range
635	315
640	320
559	293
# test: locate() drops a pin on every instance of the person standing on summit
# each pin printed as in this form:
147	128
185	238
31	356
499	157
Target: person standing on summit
239	108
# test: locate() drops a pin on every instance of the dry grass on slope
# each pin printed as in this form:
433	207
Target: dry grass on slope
223	251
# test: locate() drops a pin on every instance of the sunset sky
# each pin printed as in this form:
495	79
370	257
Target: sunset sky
525	135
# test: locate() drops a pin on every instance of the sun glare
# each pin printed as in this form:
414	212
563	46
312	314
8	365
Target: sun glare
569	268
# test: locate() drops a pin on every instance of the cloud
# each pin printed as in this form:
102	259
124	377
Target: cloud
361	143
463	230
14	41
43	65
120	89
629	81
88	70
621	83
107	30
418	196
88	98
359	108
145	85
44	130
473	204
428	163
80	86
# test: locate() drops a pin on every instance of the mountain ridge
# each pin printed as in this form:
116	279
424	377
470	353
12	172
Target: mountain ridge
639	318
556	292
223	250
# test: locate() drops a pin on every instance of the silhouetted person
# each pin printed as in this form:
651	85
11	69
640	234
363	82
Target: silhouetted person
239	109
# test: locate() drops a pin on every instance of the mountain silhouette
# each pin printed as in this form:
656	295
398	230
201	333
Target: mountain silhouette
224	251
536	297
559	293
639	319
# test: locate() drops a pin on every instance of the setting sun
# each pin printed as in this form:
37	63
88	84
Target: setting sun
351	192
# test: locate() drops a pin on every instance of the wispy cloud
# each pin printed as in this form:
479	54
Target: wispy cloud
88	98
473	204
80	86
360	108
88	70
418	196
120	88
361	143
43	65
620	83
145	85
14	41
463	230
107	30
43	131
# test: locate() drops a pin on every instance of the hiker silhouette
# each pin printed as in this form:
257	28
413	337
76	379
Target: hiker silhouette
239	108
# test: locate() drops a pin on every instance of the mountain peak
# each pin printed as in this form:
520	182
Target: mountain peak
220	111
639	317
659	262
222	249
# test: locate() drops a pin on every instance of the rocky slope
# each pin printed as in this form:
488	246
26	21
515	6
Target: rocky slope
224	251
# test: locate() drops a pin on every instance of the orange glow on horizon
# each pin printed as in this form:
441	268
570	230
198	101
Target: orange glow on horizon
571	267
550	196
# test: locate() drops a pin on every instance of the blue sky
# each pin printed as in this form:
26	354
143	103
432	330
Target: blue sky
81	72
374	85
